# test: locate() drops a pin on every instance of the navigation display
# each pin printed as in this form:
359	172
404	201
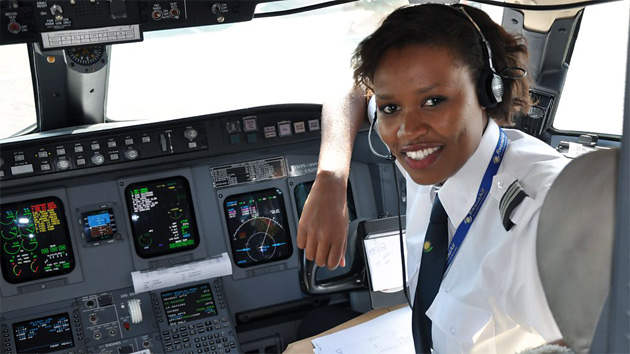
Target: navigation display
188	304
35	240
43	335
162	217
257	224
99	225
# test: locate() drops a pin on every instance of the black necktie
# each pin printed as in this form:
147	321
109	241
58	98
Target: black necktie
432	269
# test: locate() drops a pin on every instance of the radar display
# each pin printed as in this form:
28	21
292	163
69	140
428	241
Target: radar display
258	228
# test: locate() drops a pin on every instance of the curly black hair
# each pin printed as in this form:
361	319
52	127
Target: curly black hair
438	25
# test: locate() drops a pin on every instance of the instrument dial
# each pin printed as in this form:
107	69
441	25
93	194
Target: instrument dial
86	56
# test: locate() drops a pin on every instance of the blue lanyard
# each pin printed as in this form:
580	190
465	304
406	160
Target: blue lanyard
484	189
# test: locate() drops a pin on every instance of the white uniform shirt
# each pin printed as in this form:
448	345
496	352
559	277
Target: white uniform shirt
491	299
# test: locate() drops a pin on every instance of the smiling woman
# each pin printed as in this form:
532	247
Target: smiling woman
438	73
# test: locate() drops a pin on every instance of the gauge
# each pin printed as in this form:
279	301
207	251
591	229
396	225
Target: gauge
86	56
257	223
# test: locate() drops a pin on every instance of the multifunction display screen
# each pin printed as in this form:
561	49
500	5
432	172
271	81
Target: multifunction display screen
43	335
162	217
257	224
189	304
99	225
35	240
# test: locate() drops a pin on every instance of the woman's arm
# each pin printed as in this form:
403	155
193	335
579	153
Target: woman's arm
323	226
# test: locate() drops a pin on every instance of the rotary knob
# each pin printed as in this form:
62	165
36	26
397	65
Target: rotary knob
63	164
190	133
98	159
131	154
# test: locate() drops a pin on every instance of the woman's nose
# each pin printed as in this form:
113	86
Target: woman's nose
412	125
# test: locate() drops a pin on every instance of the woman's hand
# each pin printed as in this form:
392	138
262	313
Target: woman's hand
323	226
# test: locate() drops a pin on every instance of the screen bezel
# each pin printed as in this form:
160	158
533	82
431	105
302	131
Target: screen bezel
86	228
69	333
193	219
285	225
61	211
179	322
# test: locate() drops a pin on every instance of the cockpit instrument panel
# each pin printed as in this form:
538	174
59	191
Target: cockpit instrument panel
35	240
162	217
43	335
258	228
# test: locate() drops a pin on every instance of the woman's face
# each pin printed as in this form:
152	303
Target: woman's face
428	112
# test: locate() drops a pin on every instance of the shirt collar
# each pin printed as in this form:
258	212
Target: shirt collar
458	193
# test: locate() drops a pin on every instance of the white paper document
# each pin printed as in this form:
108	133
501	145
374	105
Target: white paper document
384	263
388	333
148	280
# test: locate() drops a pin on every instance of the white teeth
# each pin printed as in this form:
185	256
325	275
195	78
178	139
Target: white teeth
421	154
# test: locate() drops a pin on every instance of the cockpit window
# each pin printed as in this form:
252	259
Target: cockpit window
593	95
16	90
288	59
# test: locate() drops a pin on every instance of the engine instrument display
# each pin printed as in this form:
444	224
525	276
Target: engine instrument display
99	225
189	304
43	335
257	223
35	240
162	217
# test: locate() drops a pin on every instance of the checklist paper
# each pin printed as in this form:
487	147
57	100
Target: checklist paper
148	280
384	263
388	333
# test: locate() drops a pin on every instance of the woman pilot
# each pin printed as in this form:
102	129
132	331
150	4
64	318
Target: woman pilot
445	79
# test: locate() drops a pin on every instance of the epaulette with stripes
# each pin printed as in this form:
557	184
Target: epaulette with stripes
510	200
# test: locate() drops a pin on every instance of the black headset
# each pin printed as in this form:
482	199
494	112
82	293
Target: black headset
489	84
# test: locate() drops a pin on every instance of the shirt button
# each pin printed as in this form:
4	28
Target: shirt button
453	330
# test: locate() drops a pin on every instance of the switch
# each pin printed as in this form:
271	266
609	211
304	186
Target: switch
284	128
313	124
233	127
270	132
249	124
299	127
57	11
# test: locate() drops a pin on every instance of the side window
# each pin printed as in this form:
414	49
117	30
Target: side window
593	96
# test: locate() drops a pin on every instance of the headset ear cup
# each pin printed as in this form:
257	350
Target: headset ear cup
489	88
497	87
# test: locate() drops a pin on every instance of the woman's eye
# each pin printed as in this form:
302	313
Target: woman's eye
389	108
433	101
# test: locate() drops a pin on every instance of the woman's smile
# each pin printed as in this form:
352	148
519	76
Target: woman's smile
428	112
